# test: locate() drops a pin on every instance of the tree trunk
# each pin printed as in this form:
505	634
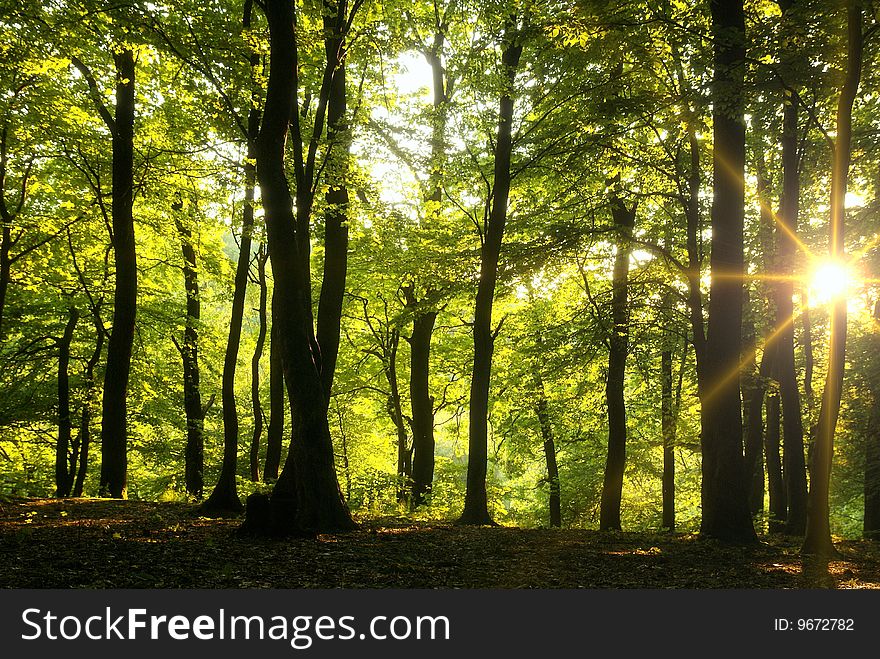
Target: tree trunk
194	453
724	494
871	522
85	432
257	407
668	431
114	425
543	413
612	487
275	431
395	411
5	265
421	401
778	510
306	497
818	534
64	474
753	388
476	508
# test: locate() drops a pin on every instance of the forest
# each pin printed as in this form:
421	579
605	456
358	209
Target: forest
291	268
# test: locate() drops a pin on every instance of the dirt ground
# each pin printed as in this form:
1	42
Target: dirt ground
93	543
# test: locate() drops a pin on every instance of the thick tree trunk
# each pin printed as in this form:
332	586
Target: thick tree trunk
275	431
192	397
306	497
543	413
818	534
64	470
724	494
257	407
114	425
421	401
476	509
615	464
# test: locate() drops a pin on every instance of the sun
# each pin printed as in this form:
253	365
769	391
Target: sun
831	280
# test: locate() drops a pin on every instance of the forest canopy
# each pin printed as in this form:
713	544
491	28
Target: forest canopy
539	263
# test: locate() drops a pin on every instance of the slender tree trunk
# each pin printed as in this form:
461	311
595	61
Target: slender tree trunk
224	497
85	432
476	508
275	431
395	411
724	494
871	522
543	413
257	407
306	496
778	509
194	453
615	465
668	431
63	474
5	265
818	533
114	424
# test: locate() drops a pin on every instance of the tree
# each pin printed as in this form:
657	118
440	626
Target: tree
818	532
724	496
476	509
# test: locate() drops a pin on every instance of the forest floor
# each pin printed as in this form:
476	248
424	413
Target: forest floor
92	543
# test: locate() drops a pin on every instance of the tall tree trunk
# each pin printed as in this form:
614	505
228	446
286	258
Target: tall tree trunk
63	474
262	256
871	522
114	423
476	508
724	495
275	431
818	534
615	464
395	411
5	263
194	453
306	496
421	401
336	198
224	497
794	467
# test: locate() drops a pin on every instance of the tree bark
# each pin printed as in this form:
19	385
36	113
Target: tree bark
114	423
194	453
257	407
615	465
726	513
778	509
476	509
64	470
818	533
85	432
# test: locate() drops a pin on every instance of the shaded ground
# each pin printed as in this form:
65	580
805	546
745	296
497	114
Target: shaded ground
88	543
